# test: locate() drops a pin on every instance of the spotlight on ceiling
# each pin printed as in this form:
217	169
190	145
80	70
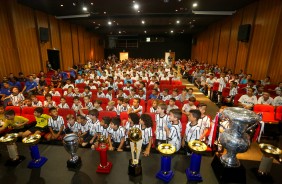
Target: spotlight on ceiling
62	5
166	1
195	5
171	31
143	22
110	23
84	8
145	31
213	12
178	21
136	6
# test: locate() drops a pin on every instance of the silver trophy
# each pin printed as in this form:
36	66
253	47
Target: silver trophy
235	139
70	142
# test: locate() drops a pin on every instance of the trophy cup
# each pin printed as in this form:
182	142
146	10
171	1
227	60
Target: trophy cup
37	161
193	172
134	167
104	166
269	152
166	174
227	168
70	143
10	141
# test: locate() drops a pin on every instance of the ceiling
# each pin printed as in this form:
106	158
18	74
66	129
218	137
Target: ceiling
159	16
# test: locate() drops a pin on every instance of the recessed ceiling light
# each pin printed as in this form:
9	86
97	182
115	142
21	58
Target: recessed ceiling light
194	20
178	21
92	4
74	4
62	5
136	6
110	23
119	32
138	11
143	22
195	4
171	31
105	12
99	24
176	10
84	8
145	31
93	22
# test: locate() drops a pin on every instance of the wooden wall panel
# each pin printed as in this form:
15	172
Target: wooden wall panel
216	43
224	42
263	37
92	47
249	14
66	44
26	38
81	45
87	50
74	37
210	48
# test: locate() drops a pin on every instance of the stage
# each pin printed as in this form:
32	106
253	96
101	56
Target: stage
55	170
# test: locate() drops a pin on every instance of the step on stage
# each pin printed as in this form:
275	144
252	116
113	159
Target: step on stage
55	170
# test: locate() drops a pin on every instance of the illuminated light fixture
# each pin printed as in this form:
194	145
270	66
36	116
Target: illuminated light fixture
62	5
176	10
213	12
166	1
178	21
110	23
119	32
84	8
145	31
171	31
195	5
92	4
136	6
105	12
74	4
73	16
138	11
143	22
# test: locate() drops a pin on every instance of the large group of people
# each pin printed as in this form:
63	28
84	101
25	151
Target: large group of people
127	86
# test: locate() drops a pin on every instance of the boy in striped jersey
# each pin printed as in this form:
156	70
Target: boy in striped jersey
15	98
146	127
136	107
116	135
55	125
83	128
101	129
72	125
192	131
173	132
161	122
132	122
63	104
88	103
204	122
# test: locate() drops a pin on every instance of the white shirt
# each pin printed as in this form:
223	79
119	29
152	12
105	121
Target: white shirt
74	127
152	110
84	128
277	101
187	107
89	106
76	107
56	124
51	104
192	132
65	106
100	95
222	84
146	135
38	104
138	108
16	99
171	107
233	91
204	123
56	93
165	98
269	101
161	122
109	96
68	85
246	100
118	134
174	136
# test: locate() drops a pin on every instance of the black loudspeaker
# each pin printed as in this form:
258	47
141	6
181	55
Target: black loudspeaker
44	34
244	32
101	42
194	41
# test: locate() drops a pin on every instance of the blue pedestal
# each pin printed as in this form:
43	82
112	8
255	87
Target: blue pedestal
193	172
37	161
165	174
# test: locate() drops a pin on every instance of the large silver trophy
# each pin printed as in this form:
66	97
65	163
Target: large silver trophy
70	142
134	167
235	139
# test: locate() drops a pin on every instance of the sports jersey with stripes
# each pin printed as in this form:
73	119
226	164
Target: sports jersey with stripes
153	110
203	123
146	135
89	106
233	91
92	125
174	136
76	107
56	123
109	96
84	128
37	104
138	108
63	106
222	84
192	132
73	128
128	127
16	99
165	98
50	104
161	122
118	134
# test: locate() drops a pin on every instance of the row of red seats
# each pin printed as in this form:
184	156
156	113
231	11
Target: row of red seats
269	113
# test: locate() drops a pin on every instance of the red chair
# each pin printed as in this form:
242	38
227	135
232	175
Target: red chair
267	111
225	93
184	121
270	87
179	104
179	87
17	109
153	116
28	112
215	86
162	82
242	85
236	98
105	102
64	113
80	85
142	103
41	98
278	114
174	82
57	99
123	117
60	90
110	114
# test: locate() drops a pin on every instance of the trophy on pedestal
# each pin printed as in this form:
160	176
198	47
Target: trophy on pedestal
227	168
193	172
104	166
269	152
70	143
166	174
10	141
37	161
134	167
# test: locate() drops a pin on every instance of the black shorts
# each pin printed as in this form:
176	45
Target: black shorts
34	129
144	146
86	137
19	130
116	145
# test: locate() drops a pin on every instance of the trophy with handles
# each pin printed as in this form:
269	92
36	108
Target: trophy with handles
70	142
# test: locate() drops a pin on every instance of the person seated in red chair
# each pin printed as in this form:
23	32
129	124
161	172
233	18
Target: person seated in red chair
265	99
15	99
56	80
41	123
249	100
55	125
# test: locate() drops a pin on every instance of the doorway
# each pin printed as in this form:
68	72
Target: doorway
54	58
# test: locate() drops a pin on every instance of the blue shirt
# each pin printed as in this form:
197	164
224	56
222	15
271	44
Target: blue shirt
29	85
16	84
126	80
5	91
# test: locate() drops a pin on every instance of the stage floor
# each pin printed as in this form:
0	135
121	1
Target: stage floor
55	171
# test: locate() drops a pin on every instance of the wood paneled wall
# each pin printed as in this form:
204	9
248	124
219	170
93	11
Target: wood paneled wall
261	56
20	46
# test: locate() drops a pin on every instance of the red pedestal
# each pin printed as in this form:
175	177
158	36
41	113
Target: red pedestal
105	166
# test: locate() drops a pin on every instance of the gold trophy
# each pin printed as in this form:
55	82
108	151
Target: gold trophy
104	166
134	167
269	152
166	174
10	141
37	160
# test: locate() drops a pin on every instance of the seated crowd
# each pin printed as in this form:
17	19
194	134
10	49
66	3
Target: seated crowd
111	98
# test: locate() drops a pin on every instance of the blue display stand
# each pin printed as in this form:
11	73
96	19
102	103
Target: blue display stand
37	161
165	174
193	172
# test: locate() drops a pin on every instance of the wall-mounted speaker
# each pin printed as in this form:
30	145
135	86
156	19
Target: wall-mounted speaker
44	34
244	33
